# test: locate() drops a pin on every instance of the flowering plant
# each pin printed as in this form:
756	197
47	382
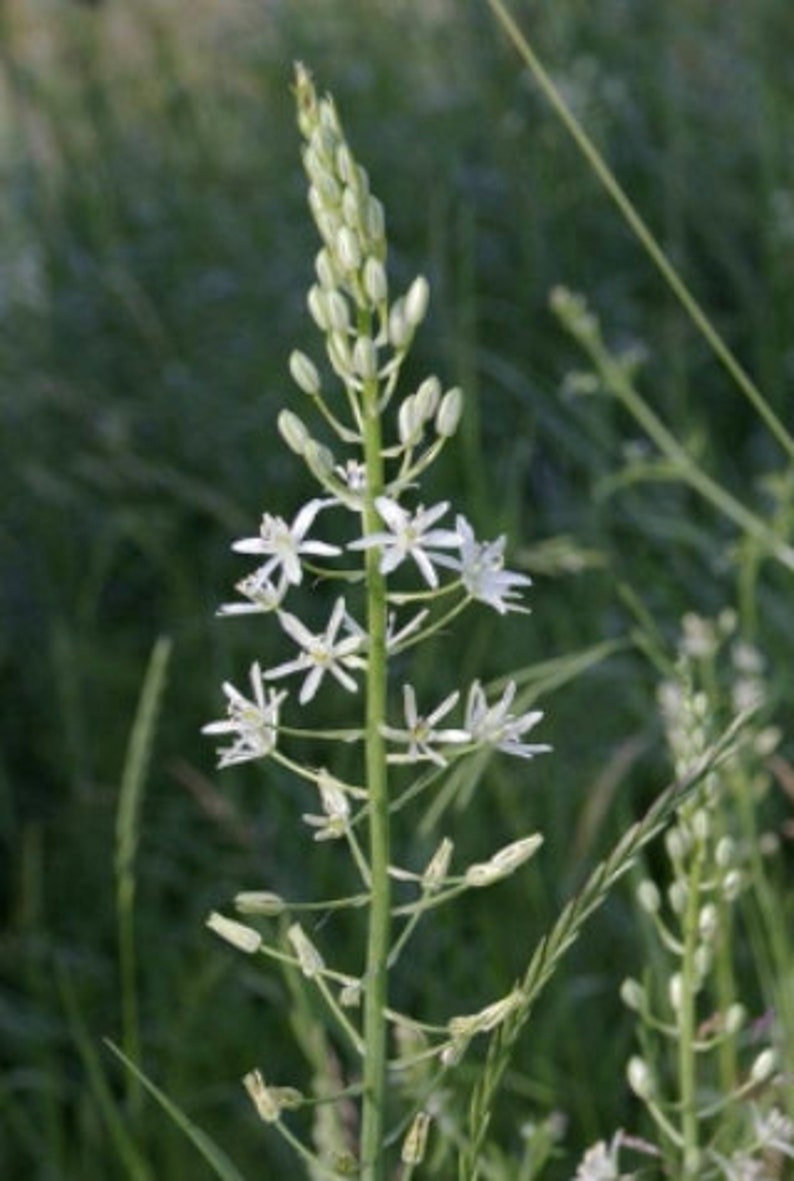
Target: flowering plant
389	441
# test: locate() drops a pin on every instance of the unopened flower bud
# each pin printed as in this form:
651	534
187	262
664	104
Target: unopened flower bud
399	328
437	867
237	934
487	1018
348	251
701	962
764	1066
503	863
350	996
351	209
375	220
449	412
316	303
416	301
676	844
415	1142
345	164
262	1098
675	991
724	852
640	1078
632	994
337	311
304	373
319	459
327	275
708	921
648	896
735	1018
409	423
365	358
701	824
428	397
677	896
339	353
732	885
309	958
259	902
293	432
374	278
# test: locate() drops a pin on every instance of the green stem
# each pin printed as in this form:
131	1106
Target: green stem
686	1017
376	977
641	230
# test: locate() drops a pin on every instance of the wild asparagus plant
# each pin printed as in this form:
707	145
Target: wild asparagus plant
384	542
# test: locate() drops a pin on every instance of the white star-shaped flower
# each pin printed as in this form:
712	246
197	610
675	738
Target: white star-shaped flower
321	653
419	733
261	592
494	725
410	535
254	722
482	572
285	543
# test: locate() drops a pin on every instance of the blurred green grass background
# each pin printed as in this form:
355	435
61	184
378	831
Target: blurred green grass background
154	257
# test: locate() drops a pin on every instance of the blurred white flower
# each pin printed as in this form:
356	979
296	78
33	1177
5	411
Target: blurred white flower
481	568
285	543
322	653
410	536
494	725
254	722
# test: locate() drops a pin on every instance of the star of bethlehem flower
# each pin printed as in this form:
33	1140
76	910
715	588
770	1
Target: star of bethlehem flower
419	734
261	592
481	568
321	653
494	725
284	544
254	722
410	535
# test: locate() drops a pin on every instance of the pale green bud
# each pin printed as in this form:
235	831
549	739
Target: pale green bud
503	863
677	895
409	423
415	1142
293	432
675	991
449	412
351	211
399	328
701	962
350	996
325	270
724	852
676	843
416	301
316	302
237	934
330	192
309	958
375	284
338	312
708	921
632	994
640	1078
339	353
732	885
735	1018
263	1100
701	824
259	902
365	358
319	459
348	251
648	896
345	164
304	373
428	397
375	220
764	1066
487	1018
437	867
